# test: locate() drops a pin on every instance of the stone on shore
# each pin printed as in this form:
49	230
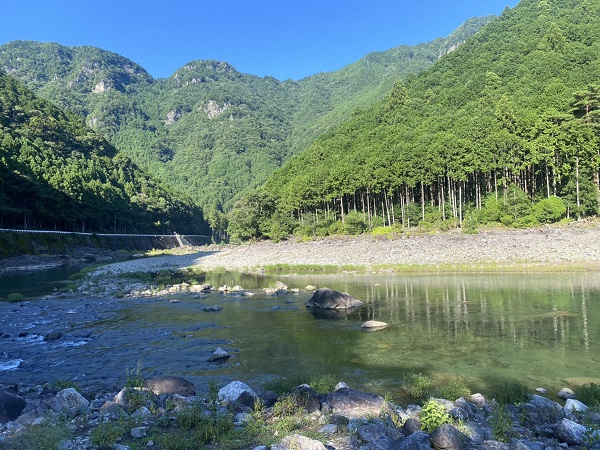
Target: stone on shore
448	437
329	299
299	442
70	402
11	406
234	390
354	404
566	393
170	385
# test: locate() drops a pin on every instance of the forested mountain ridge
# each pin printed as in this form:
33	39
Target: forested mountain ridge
56	173
209	130
505	129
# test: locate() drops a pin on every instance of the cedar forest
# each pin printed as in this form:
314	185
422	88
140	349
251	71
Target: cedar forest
504	129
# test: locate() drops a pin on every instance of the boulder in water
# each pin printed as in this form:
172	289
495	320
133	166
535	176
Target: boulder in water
170	385
329	299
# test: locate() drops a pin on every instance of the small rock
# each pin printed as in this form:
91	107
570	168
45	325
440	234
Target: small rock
373	325
219	355
542	390
328	429
52	336
298	442
411	426
566	393
138	433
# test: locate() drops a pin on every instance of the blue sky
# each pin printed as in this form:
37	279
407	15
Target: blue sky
260	37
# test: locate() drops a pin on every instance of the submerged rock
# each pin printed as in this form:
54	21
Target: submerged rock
329	299
373	325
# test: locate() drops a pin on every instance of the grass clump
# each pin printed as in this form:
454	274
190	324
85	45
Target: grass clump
589	395
433	415
321	384
511	393
107	434
502	424
417	385
47	436
453	390
59	385
15	297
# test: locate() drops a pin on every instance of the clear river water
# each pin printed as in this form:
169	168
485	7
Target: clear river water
540	329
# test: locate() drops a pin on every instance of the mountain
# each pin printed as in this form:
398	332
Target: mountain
209	130
57	173
504	129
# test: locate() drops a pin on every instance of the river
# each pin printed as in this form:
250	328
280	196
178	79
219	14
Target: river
540	329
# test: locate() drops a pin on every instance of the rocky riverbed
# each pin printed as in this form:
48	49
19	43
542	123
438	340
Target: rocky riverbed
166	413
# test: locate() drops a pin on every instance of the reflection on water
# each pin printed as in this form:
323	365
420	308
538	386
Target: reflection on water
539	329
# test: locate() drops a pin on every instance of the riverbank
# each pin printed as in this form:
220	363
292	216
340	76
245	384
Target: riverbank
575	247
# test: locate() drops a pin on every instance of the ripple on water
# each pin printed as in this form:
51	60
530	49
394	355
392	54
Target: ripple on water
11	364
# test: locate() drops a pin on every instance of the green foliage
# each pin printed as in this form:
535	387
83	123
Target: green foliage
15	297
502	424
417	385
135	394
56	173
433	415
107	434
59	385
453	390
321	384
549	210
47	436
510	393
589	395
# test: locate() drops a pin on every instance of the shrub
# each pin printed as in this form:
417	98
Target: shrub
47	436
511	393
417	385
502	424
107	434
589	394
549	210
15	297
453	391
433	415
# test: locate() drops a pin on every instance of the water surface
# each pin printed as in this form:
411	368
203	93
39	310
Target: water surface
484	329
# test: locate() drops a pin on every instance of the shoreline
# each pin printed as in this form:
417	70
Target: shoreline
573	248
563	248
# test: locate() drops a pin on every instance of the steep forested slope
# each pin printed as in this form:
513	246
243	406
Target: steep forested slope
506	128
209	130
57	173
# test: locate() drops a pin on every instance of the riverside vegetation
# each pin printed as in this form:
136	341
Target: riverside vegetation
300	413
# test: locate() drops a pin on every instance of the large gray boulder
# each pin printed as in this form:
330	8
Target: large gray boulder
236	391
70	402
299	442
448	437
170	385
11	406
416	441
571	432
354	404
329	299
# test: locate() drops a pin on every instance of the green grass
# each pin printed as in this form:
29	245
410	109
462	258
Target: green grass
321	384
510	393
589	395
46	436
